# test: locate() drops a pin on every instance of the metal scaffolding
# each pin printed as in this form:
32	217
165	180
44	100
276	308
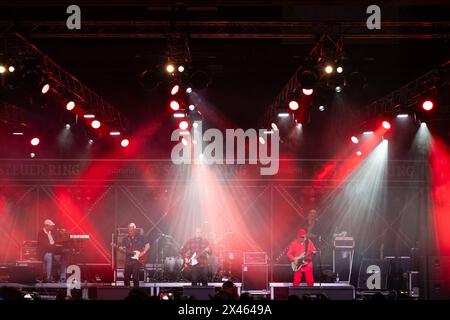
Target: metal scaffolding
298	30
67	84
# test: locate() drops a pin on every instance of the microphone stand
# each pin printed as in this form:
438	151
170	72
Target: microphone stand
320	261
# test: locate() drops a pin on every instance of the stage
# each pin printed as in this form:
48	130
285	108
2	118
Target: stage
113	291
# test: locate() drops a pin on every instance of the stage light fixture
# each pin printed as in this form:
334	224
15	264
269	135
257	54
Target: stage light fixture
359	153
189	90
114	133
170	68
89	116
195	125
70	105
293	105
191	107
35	141
274	126
402	115
427	105
124	143
423	124
96	124
45	88
174	105
175	89
307	92
11	69
179	115
90	141
367	132
339	69
261	140
183	125
283	114
329	69
17	133
180	69
354	139
321	108
298	125
338	89
32	155
67	126
2	69
386	125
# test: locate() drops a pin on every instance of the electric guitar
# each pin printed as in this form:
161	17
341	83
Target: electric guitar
193	260
301	261
132	254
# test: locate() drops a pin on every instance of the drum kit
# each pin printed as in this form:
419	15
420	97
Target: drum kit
224	264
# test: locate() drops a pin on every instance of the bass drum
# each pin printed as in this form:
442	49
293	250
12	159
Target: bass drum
173	264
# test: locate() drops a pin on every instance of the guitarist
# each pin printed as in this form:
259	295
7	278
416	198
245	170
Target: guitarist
133	241
197	249
302	246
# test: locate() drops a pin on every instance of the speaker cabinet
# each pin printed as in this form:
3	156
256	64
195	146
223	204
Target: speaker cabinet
255	277
199	293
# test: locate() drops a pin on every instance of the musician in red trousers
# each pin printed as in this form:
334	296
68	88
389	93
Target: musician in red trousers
300	252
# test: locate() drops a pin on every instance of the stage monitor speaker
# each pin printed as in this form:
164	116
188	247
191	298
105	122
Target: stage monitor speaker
255	277
97	273
114	293
199	293
344	292
22	274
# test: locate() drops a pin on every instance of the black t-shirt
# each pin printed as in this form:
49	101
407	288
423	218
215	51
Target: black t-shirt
131	243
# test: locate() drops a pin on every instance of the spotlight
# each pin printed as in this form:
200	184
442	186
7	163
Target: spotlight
338	89
96	124
367	132
189	90
17	133
339	70
423	125
359	153
124	143
180	69
321	108
11	69
274	126
89	116
307	92
183	125
2	69
32	155
174	105
45	88
114	133
402	115
179	115
293	105
175	90
35	141
298	126
261	140
329	69
283	114
90	141
70	105
354	139
427	105
67	126
195	125
170	68
191	107
386	125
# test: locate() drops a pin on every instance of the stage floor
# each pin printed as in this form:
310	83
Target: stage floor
156	287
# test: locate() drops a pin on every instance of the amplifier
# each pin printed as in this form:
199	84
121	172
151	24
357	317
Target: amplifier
255	258
344	242
28	251
255	277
